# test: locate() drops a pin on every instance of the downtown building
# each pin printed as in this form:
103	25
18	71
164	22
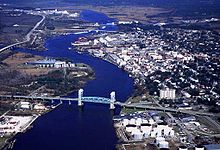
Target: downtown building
167	93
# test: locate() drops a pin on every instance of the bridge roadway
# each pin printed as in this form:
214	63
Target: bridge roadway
141	106
90	99
12	45
103	100
27	37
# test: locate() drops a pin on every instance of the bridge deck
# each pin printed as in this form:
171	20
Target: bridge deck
103	100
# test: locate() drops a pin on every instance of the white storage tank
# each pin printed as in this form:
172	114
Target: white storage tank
137	135
199	147
145	126
138	121
163	144
130	127
146	129
134	131
171	133
167	130
158	131
153	134
159	139
132	121
144	121
183	148
146	134
159	134
125	122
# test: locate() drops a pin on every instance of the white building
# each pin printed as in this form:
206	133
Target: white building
141	128
25	105
168	93
51	63
39	107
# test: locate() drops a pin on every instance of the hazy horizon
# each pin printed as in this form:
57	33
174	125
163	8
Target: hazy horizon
185	8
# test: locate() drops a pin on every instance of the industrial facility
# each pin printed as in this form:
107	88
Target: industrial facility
51	63
141	126
158	129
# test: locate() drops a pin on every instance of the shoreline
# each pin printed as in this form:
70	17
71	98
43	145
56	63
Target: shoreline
59	104
20	62
134	68
12	140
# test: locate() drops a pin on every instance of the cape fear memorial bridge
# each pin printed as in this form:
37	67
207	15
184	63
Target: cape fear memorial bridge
109	101
81	99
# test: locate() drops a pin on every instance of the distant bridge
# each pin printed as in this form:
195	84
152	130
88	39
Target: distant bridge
12	46
28	37
110	101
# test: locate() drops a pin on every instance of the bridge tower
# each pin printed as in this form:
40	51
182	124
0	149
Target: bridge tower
80	95
112	101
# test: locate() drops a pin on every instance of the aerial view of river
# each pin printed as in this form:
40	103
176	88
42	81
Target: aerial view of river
67	127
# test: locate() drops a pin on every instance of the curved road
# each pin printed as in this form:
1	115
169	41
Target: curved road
28	36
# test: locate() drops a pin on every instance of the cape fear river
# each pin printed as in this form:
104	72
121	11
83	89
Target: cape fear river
67	127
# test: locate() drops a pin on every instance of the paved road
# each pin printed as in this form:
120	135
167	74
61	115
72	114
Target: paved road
213	122
27	38
4	114
141	106
12	45
35	91
177	121
104	100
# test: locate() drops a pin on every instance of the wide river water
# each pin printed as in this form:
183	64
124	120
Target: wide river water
67	127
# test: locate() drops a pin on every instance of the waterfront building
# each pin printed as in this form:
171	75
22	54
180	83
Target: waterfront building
51	63
25	105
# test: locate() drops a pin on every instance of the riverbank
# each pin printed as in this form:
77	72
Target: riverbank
27	79
14	123
38	26
35	74
68	123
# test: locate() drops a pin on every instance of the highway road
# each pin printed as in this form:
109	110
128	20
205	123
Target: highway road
27	37
104	100
217	125
141	106
4	114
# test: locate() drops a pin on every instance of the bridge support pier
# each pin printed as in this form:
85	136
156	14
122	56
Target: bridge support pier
112	101
80	95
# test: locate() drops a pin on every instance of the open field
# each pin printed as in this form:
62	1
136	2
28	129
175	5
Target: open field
19	78
14	26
